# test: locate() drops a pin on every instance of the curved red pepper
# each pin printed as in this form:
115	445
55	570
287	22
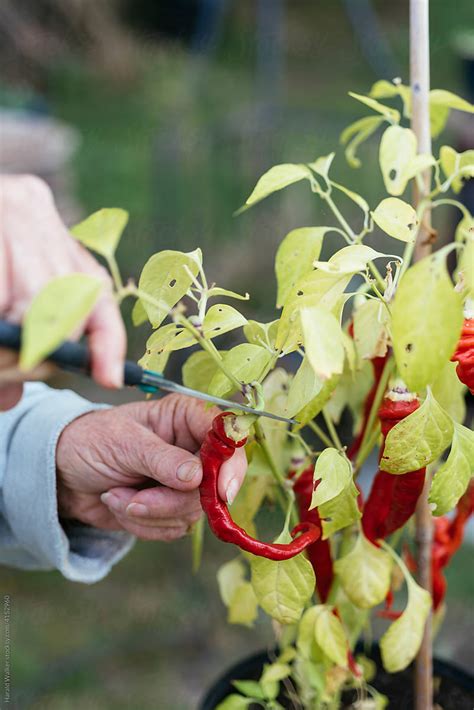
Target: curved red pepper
465	355
319	553
393	498
216	448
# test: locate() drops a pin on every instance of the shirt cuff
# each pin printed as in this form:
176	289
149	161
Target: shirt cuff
81	553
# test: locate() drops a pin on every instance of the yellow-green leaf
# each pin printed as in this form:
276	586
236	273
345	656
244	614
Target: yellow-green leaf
449	392
304	387
277	178
445	98
322	337
334	472
398	158
218	291
354	196
198	370
330	636
390	114
349	260
263	334
371	329
315	406
426	321
355	134
218	320
341	511
321	165
229	577
102	230
397	218
364	573
55	313
234	702
400	643
139	314
156	353
418	439
166	277
283	588
453	162
243	607
295	257
465	270
452	478
246	362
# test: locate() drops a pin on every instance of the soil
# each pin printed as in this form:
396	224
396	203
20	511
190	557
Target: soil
454	689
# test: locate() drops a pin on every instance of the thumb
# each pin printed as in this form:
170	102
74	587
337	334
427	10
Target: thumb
169	465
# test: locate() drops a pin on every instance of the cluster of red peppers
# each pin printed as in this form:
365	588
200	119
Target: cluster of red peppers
464	355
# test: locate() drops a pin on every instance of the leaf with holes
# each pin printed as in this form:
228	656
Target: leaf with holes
418	439
166	278
102	230
427	317
397	218
365	573
295	257
219	319
334	473
399	160
55	313
452	478
156	352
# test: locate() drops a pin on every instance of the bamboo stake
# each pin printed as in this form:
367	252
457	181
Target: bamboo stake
420	122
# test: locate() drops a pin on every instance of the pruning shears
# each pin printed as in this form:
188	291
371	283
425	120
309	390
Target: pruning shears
75	357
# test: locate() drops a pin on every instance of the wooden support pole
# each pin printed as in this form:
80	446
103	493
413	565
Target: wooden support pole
420	123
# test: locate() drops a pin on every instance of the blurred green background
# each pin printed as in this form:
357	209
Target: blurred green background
180	106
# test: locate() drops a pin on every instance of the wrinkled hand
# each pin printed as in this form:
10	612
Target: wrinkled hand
135	467
35	247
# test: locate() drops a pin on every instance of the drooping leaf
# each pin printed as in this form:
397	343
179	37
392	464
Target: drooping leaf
277	178
316	405
55	313
400	643
452	478
426	321
453	162
397	218
399	160
341	511
322	337
217	291
418	439
263	334
166	277
283	588
354	196
355	134
447	98
322	165
156	353
246	362
330	636
334	472
390	114
449	392
364	573
349	260
295	257
199	369
102	230
304	387
370	329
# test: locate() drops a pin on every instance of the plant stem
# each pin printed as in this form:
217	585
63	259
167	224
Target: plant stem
320	433
277	475
332	431
364	451
116	277
420	123
338	215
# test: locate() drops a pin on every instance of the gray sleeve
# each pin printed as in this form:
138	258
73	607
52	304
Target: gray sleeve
31	536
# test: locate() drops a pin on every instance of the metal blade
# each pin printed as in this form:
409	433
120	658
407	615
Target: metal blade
152	379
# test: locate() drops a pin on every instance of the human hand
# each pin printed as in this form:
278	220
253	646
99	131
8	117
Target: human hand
35	247
106	458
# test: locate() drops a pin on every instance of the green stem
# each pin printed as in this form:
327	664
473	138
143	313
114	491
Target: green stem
387	371
410	247
116	277
332	431
320	433
340	218
277	475
453	203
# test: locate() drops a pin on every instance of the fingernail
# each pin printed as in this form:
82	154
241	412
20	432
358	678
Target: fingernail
116	375
137	509
111	501
231	491
187	471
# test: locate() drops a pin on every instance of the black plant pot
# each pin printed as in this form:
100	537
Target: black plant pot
454	687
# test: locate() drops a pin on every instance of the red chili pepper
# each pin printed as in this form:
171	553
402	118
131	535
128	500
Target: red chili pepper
465	355
216	448
392	500
378	364
319	553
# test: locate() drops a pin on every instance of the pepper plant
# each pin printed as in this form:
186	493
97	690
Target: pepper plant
390	341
